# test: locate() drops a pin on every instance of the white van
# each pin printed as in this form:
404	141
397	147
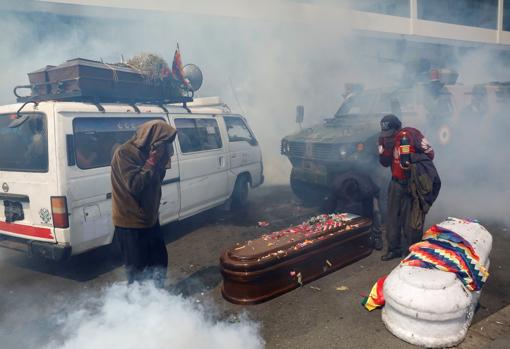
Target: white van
55	199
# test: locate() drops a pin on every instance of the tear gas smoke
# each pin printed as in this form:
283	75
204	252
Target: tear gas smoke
141	315
265	68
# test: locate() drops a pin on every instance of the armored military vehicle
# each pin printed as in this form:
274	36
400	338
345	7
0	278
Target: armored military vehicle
348	141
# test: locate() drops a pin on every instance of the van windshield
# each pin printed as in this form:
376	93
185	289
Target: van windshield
23	143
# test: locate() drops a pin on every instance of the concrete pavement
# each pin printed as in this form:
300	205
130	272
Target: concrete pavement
33	292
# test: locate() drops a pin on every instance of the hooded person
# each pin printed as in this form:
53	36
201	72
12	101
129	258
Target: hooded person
138	168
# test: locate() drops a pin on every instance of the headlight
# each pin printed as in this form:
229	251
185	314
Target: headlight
285	147
349	150
343	151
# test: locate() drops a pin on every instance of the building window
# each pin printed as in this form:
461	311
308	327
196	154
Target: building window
398	8
473	13
506	15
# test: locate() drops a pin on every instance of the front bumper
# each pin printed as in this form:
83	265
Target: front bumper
312	176
48	250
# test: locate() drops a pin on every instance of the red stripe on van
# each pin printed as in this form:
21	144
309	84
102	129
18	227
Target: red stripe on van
28	230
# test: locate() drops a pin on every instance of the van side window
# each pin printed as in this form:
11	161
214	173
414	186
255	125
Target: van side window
96	139
198	134
23	143
238	131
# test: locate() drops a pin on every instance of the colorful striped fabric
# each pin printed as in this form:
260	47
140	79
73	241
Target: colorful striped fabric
446	250
376	297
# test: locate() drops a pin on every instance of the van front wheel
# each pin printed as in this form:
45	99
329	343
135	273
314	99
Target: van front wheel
240	194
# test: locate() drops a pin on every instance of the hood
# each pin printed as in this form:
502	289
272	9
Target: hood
338	131
152	132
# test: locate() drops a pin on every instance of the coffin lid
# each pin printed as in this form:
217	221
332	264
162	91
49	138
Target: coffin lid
292	240
94	64
111	87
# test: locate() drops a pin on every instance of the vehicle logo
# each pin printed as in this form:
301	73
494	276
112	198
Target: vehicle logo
5	187
44	213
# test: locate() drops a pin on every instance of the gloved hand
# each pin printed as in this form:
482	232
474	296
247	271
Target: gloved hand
155	156
387	142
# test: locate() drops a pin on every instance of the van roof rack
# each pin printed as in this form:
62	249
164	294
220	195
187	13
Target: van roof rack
77	96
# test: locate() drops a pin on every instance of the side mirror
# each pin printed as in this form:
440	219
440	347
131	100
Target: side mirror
300	114
19	121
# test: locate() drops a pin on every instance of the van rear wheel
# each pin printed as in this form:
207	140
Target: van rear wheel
241	191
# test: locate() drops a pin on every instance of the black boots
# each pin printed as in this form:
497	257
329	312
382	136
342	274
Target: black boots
391	255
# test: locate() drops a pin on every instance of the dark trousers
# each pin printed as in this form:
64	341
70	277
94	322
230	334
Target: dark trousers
144	253
399	233
376	218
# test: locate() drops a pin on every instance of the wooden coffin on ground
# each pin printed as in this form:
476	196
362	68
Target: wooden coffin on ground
79	79
258	270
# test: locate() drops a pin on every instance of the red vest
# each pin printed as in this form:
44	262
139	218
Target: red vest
417	143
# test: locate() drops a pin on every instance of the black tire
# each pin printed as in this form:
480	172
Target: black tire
240	194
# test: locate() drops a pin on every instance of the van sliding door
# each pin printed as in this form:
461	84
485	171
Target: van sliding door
203	166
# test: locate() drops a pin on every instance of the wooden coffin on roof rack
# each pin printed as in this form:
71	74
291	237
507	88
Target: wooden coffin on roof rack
83	79
258	270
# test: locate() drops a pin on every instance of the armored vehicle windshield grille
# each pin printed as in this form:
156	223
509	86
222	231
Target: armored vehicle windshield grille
323	151
297	149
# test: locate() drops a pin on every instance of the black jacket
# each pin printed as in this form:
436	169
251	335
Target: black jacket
425	181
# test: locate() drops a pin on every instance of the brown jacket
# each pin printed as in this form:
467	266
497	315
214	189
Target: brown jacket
136	186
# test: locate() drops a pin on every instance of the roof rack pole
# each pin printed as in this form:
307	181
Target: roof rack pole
18	87
163	107
135	107
185	106
23	106
98	105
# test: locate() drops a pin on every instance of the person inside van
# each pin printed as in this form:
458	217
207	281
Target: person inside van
87	154
138	168
86	158
34	155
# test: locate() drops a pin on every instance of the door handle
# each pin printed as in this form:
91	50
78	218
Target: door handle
221	161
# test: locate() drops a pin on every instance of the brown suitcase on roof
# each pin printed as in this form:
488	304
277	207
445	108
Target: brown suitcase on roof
261	269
